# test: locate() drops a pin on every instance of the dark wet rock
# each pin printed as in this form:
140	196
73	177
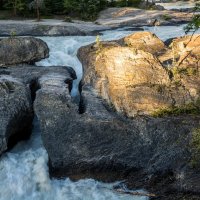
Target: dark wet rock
15	50
18	85
16	111
168	41
102	141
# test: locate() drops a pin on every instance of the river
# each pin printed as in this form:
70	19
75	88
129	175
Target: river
24	171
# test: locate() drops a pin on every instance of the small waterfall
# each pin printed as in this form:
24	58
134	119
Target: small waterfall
24	171
24	176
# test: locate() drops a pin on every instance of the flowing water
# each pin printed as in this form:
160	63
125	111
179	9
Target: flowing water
24	176
24	172
63	50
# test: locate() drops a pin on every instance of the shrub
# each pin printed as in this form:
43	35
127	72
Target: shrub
85	9
195	147
124	3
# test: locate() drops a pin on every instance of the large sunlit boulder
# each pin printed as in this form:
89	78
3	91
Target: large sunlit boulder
131	80
146	41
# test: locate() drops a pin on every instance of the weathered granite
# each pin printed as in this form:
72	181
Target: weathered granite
16	50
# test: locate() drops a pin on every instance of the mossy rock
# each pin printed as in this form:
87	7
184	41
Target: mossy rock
195	148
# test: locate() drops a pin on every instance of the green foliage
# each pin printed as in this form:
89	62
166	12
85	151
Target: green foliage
124	3
190	108
68	19
189	71
54	6
13	33
85	9
37	3
194	25
16	5
166	17
98	44
195	146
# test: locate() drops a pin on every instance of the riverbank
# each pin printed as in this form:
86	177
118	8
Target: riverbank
48	27
111	18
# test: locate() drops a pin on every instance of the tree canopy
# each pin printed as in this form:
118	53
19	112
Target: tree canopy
84	9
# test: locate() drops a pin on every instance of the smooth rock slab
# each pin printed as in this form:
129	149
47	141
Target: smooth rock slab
100	140
128	16
49	27
15	50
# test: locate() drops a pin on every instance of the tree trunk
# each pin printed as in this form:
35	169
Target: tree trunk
15	8
38	10
1	4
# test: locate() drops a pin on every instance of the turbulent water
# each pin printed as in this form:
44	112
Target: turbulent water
24	176
24	171
63	50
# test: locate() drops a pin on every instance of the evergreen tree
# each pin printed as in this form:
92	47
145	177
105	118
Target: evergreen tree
86	9
54	6
15	5
194	25
37	5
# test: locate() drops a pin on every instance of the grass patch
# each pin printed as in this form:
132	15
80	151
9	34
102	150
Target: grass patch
195	146
190	71
191	108
166	17
4	14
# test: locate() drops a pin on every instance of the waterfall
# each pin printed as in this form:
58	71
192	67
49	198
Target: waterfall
24	171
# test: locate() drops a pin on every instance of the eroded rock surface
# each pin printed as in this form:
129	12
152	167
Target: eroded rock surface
137	17
48	28
102	141
186	56
15	50
18	85
145	41
131	76
16	111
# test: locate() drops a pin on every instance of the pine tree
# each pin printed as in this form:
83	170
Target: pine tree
194	25
37	5
15	5
86	9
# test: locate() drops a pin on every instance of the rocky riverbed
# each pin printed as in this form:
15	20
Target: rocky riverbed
110	18
50	27
111	133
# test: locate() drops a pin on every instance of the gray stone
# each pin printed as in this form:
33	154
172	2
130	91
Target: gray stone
48	28
22	50
128	16
18	85
100	140
16	111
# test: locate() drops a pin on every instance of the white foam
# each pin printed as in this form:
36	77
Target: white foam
24	176
63	51
24	171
